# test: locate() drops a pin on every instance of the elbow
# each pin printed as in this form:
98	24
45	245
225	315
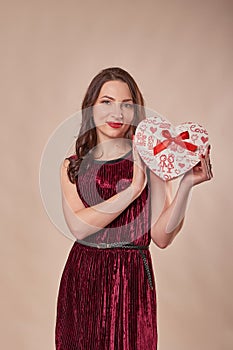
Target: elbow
162	241
78	230
162	245
81	231
77	234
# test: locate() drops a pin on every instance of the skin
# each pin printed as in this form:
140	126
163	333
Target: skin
167	213
114	104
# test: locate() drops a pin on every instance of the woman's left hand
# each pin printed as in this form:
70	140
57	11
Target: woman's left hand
200	172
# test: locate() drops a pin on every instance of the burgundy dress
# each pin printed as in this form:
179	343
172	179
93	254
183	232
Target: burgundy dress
106	299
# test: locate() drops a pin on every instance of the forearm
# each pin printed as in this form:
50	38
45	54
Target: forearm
92	219
169	223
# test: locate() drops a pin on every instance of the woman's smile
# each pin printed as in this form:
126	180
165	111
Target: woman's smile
115	125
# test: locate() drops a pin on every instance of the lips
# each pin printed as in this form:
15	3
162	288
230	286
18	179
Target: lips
114	125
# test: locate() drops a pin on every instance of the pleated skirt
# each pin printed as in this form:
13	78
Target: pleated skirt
105	301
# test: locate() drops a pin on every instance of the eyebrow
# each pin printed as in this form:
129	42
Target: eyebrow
113	99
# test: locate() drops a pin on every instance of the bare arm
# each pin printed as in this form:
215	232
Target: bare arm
168	215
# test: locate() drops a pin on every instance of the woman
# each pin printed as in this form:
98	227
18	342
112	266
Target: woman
114	206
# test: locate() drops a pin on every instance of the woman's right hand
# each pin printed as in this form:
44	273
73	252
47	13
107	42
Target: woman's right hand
139	180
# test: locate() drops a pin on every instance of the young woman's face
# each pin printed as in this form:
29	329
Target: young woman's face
113	111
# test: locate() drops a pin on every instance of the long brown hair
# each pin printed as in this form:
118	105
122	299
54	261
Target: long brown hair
87	138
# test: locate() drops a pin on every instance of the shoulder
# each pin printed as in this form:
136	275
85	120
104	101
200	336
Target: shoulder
66	184
69	191
68	159
65	165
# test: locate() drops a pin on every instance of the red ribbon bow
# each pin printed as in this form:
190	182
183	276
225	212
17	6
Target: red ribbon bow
178	140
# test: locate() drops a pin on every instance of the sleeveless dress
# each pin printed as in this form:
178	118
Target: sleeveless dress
105	300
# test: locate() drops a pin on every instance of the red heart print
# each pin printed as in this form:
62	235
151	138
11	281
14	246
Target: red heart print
204	139
152	129
181	165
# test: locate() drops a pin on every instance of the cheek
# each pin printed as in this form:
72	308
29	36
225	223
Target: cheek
98	118
128	118
99	114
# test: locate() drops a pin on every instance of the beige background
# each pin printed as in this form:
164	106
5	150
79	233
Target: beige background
181	54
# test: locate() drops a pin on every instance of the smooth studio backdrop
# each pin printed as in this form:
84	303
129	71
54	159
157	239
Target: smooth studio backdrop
181	54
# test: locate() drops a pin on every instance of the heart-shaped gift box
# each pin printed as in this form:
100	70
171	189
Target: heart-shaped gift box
167	150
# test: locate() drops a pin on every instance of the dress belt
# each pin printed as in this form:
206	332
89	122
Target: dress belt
126	245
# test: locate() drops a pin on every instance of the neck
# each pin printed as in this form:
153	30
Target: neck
112	148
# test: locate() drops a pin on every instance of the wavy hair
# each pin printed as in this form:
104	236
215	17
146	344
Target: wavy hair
87	137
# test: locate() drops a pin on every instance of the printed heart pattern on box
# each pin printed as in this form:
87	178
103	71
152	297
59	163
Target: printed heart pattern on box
167	150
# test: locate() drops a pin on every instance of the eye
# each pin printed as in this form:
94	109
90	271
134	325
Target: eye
127	105
107	102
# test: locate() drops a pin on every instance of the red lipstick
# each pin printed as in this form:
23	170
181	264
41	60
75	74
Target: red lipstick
114	125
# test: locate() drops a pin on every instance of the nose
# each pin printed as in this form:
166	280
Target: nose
117	110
